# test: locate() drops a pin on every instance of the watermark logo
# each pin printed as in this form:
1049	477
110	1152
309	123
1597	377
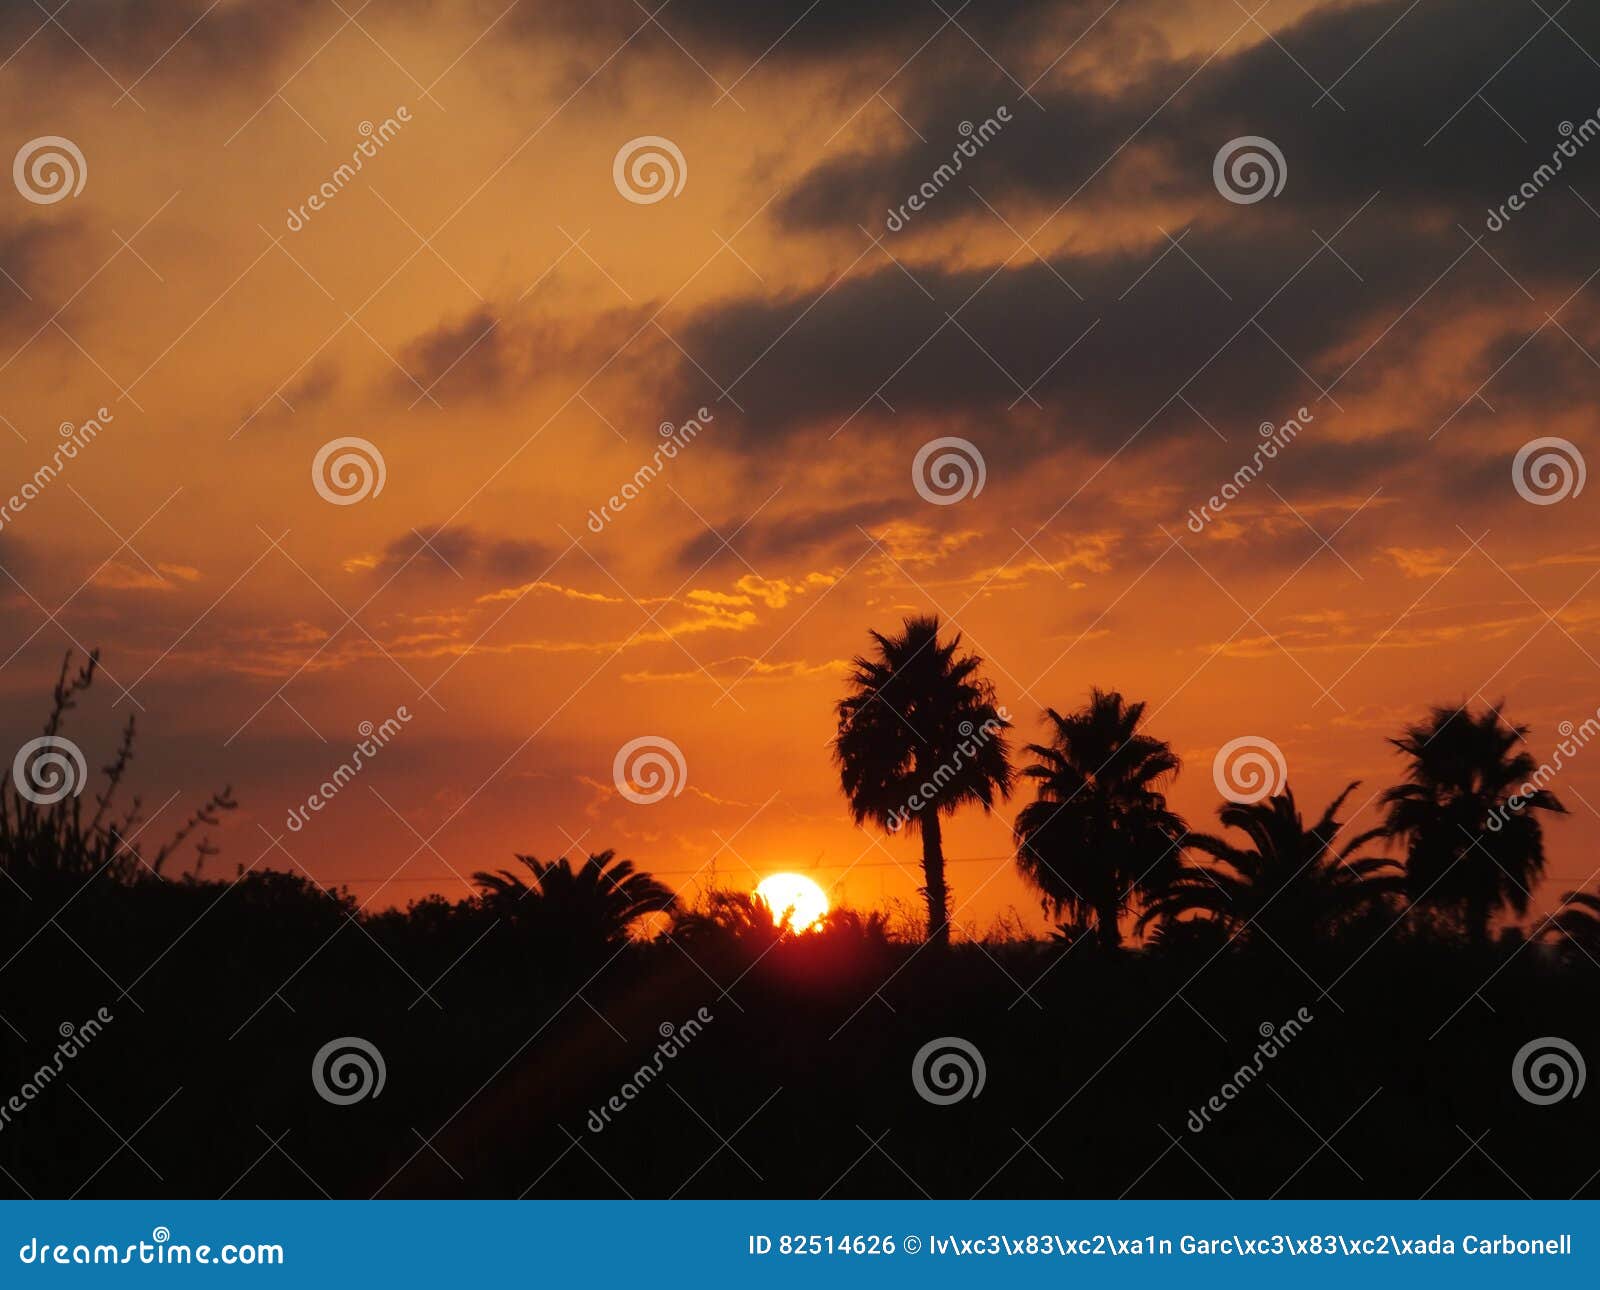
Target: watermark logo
48	769
74	439
347	1070
948	1070
1574	739
1248	169
48	169
649	768
674	439
348	470
1548	470
74	1039
1535	184
373	740
648	169
948	470
1548	1070
674	1039
1274	439
1249	769
973	137
973	739
1274	1039
373	137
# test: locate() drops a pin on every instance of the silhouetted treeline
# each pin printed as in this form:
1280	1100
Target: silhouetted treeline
720	1055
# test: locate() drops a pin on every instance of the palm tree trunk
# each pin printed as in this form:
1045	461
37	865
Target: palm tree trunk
1109	929
933	878
1478	922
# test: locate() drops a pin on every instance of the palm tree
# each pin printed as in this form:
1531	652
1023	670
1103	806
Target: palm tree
1289	885
920	736
1100	835
575	911
1465	815
1578	920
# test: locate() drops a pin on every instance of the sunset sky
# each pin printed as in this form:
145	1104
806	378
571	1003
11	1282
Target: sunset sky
1081	303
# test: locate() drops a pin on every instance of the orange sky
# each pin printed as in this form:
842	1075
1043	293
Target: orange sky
483	304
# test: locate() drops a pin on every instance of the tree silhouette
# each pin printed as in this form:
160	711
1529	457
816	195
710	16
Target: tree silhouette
920	736
1473	844
1289	885
1100	835
1578	920
575	911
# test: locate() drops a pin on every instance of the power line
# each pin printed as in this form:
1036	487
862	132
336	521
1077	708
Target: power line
684	873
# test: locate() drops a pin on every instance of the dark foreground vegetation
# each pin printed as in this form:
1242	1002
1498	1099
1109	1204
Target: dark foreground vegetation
526	1051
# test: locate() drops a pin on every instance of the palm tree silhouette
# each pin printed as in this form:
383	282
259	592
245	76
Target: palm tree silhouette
1289	885
575	910
1100	834
1472	841
1578	920
919	735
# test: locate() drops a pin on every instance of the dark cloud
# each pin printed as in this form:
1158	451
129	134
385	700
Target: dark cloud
472	352
1251	316
789	31
449	550
221	41
1154	138
817	534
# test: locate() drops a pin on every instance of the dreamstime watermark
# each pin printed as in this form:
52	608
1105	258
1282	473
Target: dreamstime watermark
49	168
1574	738
1548	470
373	740
74	439
649	768
648	169
674	439
348	470
948	470
48	769
973	739
1274	439
74	1039
947	1070
973	138
1274	1039
1548	1070
1249	769
347	1070
1535	184
160	1250
373	138
674	1039
1249	168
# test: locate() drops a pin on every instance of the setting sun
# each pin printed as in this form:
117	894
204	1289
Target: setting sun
794	900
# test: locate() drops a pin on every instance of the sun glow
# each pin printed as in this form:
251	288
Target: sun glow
794	900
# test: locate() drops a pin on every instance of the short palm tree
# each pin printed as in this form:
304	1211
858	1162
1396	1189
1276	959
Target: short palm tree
1578	920
1289	885
575	909
919	737
1100	835
1472	842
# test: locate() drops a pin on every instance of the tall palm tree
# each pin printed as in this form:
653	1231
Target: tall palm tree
1100	835
1289	885
1472	841
575	910
919	736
